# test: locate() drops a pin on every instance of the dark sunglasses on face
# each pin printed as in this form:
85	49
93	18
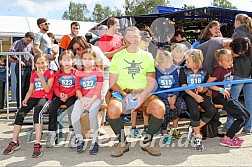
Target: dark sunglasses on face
77	49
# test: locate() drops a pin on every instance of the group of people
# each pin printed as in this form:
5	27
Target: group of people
120	68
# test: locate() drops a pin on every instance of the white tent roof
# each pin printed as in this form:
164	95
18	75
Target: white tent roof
17	26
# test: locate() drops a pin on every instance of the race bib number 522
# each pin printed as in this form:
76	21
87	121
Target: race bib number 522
88	82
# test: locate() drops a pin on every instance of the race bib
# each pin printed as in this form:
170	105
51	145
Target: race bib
166	81
67	81
38	84
195	79
88	82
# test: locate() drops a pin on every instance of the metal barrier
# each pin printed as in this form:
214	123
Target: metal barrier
18	54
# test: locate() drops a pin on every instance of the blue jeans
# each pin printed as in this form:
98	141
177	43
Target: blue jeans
235	92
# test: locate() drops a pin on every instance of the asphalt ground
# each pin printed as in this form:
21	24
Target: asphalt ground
180	153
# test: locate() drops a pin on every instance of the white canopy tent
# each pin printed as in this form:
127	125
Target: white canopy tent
16	26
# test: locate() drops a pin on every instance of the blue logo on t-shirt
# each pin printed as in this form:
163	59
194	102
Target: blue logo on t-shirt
88	82
166	81
195	79
67	81
228	78
38	84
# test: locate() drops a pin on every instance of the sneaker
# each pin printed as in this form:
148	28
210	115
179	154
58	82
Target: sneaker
94	149
167	139
126	120
11	148
80	146
230	143
145	129
198	144
37	150
120	149
151	150
246	131
190	134
50	140
135	133
238	139
102	131
176	134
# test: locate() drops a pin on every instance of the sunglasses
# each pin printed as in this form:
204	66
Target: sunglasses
47	24
77	49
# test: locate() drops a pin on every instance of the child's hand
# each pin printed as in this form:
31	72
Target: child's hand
62	95
64	98
199	98
172	106
40	72
24	103
199	88
226	94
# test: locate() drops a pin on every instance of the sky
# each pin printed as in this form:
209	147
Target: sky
54	9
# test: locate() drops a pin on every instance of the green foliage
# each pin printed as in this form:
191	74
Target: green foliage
76	11
101	12
138	7
223	4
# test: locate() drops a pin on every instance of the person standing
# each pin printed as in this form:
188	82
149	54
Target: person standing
66	39
111	42
42	42
23	45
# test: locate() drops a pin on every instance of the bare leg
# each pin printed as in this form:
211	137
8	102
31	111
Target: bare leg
16	132
38	131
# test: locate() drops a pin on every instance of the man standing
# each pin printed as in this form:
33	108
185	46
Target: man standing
42	42
23	45
66	39
111	42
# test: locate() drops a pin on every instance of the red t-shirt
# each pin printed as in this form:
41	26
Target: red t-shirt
39	91
222	74
64	83
89	83
109	43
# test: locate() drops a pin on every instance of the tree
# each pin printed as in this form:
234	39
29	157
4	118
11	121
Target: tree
101	12
76	11
223	4
98	12
138	7
117	12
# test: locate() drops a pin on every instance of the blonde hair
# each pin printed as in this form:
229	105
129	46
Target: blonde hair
196	56
178	49
163	57
244	19
220	53
133	29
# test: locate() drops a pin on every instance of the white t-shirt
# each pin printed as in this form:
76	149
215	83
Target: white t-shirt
99	56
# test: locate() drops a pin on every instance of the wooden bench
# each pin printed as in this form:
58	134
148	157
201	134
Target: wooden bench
217	106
